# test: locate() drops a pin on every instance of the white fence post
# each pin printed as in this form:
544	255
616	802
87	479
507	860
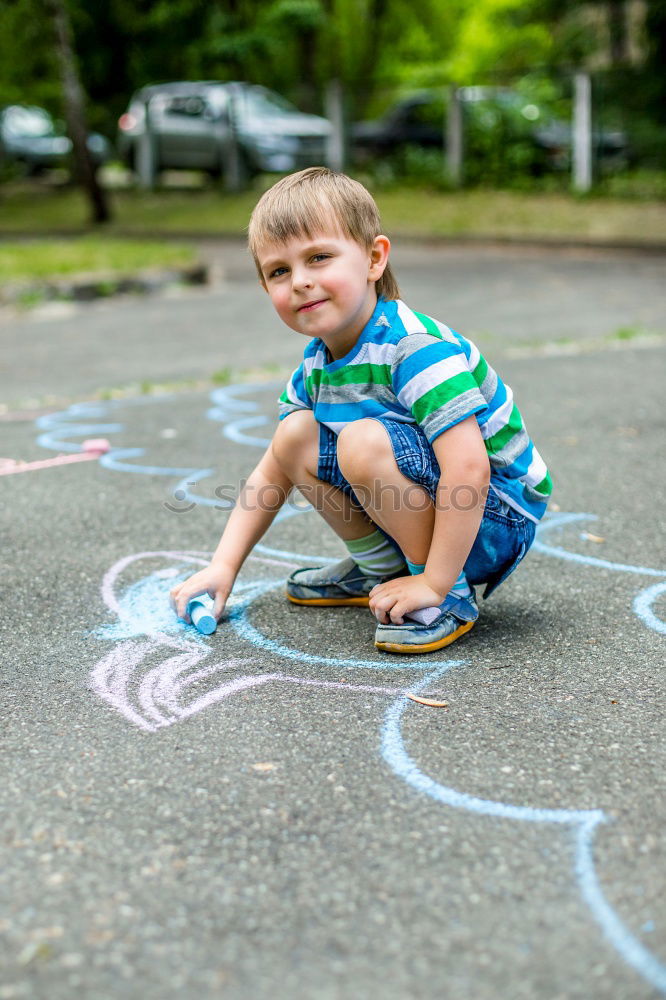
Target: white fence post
454	138
234	171
581	159
335	112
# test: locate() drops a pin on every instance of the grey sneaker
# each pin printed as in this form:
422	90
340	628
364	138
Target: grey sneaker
457	617
339	585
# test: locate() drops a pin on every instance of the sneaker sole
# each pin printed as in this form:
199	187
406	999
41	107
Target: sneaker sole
426	647
331	602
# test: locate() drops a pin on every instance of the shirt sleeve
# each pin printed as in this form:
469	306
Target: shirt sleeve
295	395
432	380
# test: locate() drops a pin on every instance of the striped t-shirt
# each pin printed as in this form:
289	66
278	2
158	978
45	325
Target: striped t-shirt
406	366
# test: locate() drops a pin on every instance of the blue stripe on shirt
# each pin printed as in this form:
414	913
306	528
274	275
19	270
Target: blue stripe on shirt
421	360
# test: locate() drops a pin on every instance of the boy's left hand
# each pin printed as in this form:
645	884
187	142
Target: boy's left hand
390	601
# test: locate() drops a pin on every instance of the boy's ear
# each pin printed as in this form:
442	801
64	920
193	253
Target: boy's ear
379	255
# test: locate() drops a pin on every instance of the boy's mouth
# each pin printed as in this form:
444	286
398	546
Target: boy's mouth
309	306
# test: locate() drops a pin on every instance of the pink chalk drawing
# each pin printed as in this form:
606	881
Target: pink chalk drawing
91	451
155	675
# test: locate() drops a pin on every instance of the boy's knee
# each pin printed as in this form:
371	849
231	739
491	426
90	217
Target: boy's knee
362	446
294	436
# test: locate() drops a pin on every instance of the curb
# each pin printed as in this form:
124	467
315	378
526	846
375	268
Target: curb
100	285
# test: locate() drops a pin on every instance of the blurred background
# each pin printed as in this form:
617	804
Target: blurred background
172	115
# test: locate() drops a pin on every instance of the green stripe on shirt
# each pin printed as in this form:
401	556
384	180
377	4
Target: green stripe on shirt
440	395
512	427
429	324
480	371
363	374
545	487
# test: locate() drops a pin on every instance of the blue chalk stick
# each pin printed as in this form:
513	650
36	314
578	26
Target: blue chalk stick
200	613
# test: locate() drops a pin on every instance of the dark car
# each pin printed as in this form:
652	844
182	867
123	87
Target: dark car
193	125
417	120
491	115
31	139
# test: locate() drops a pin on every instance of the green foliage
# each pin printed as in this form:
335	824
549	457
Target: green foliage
498	36
28	72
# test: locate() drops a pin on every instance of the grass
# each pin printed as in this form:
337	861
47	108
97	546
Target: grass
26	209
38	259
416	212
628	333
513	215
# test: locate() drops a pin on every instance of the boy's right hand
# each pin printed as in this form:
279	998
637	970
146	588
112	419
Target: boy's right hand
216	581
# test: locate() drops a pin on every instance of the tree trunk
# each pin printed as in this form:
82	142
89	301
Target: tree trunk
307	87
75	115
617	29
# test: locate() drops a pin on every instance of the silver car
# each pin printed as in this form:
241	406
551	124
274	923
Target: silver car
193	126
33	141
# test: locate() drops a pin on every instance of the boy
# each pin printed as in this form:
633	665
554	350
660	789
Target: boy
394	428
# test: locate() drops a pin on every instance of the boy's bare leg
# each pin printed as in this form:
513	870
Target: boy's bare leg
295	447
399	506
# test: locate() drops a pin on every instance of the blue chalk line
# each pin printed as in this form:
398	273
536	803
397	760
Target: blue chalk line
394	753
554	521
225	411
584	822
643	607
238	618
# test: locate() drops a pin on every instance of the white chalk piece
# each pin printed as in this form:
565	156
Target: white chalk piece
200	611
425	616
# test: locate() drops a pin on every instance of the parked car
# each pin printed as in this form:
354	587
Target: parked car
416	120
30	138
193	126
491	115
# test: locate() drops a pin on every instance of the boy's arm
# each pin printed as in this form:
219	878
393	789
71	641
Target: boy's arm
261	498
461	496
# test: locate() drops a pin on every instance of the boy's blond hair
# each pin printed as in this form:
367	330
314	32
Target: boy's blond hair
302	203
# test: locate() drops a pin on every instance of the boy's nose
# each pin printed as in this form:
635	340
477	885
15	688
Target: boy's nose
300	278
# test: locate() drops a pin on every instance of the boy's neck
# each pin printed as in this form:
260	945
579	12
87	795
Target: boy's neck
338	350
339	346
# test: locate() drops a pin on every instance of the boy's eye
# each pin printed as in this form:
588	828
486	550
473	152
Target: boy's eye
277	272
320	256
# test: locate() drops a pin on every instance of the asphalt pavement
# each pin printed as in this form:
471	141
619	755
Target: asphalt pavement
262	813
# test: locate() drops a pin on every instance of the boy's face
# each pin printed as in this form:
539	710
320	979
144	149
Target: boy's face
324	286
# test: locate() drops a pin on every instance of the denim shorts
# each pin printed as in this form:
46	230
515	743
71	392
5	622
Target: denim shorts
505	534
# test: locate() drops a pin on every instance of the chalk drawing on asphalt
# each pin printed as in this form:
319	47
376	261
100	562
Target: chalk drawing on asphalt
156	674
155	694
